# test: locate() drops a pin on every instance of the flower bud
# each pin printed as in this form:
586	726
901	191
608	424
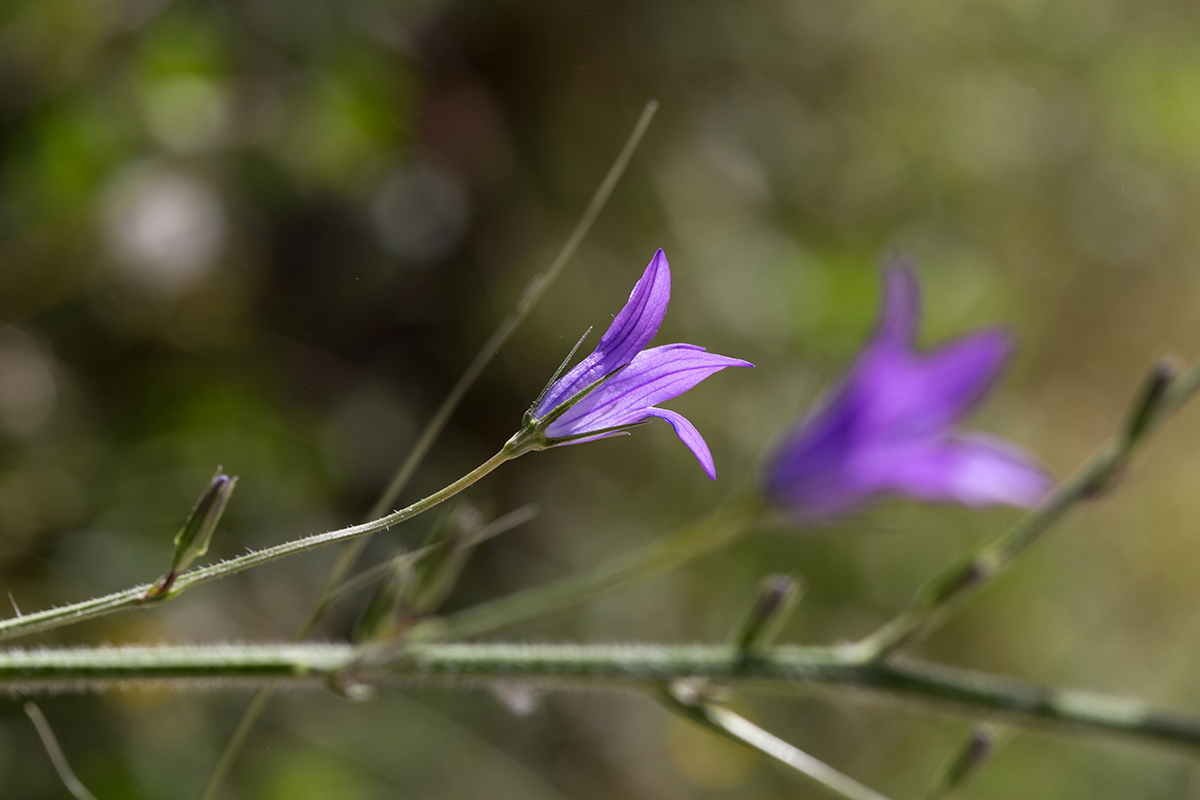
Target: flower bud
378	619
966	763
776	598
192	540
1161	376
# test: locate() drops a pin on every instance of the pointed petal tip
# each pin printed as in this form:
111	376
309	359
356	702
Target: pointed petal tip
900	315
658	268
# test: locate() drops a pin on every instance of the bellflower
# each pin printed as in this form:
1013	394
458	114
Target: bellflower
621	383
890	425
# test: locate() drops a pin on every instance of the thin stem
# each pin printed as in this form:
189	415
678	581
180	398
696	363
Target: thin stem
692	542
346	558
642	667
938	597
136	597
57	758
533	292
237	739
686	702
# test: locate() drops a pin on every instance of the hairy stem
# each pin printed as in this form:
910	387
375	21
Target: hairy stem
937	598
643	667
136	597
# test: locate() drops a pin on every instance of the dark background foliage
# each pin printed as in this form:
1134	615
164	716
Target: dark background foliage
270	234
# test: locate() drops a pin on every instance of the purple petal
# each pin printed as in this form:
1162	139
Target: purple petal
971	469
922	393
901	314
632	330
809	472
654	376
691	437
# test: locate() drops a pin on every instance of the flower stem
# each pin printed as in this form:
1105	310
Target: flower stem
936	599
700	538
137	596
642	667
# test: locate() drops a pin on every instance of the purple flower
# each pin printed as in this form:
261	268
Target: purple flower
620	384
890	425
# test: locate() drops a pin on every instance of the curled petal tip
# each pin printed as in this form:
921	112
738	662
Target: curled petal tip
691	437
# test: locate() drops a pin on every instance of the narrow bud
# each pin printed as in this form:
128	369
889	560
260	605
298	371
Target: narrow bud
378	619
193	538
417	583
966	763
450	543
777	597
1154	389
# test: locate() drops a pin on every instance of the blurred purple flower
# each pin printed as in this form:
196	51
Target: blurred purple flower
620	383
889	426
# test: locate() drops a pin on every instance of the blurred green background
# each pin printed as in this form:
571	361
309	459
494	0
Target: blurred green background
269	234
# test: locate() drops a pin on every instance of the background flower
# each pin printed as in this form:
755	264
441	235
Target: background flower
889	426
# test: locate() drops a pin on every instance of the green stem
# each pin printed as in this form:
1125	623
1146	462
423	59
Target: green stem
939	596
136	597
700	538
643	667
683	700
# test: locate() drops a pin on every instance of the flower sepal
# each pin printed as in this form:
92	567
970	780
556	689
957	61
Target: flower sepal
532	435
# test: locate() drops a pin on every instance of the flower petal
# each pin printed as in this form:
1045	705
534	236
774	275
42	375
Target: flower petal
631	330
654	376
921	393
691	437
971	469
809	473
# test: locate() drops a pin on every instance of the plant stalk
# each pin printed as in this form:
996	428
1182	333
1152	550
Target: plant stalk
638	667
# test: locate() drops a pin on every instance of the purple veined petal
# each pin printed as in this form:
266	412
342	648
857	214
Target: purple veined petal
900	316
654	376
630	331
912	394
691	437
972	469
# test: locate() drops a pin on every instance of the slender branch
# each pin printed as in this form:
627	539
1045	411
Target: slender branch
700	538
57	757
643	667
137	597
533	292
937	598
685	701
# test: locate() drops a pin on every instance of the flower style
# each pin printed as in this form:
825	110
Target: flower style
889	426
620	384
